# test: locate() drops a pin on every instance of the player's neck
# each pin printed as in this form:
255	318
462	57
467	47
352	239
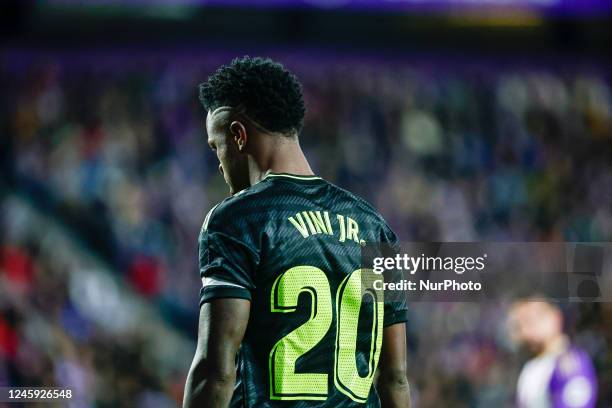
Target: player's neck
556	344
282	158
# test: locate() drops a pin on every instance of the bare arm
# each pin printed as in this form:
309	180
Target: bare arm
392	383
212	376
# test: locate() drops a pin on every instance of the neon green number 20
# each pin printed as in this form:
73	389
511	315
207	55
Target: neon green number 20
285	383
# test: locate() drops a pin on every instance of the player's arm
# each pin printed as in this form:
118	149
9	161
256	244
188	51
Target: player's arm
392	383
211	379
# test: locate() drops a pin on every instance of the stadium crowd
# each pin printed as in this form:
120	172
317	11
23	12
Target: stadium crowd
446	151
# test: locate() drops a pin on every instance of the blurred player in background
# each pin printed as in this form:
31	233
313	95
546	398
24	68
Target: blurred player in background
283	321
560	375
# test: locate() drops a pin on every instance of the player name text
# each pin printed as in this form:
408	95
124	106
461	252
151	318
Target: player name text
309	223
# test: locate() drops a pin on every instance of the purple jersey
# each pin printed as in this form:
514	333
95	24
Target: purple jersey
564	379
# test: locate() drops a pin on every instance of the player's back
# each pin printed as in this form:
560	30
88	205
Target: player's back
292	245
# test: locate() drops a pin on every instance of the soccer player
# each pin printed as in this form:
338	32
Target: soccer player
284	319
560	375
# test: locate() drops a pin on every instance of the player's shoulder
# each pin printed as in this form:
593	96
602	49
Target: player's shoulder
574	360
236	207
248	204
362	204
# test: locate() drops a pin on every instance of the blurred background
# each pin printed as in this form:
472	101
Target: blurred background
460	120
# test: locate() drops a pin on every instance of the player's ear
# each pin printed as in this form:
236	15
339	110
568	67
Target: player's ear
239	134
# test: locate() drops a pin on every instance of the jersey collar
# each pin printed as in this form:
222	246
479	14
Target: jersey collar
291	176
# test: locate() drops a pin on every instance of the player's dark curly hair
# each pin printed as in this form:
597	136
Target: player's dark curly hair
268	93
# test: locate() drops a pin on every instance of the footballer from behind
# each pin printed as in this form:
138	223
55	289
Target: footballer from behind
284	319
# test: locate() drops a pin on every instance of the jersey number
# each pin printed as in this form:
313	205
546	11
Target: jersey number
285	383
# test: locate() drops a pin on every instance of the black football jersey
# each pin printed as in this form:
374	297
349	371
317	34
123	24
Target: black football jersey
292	246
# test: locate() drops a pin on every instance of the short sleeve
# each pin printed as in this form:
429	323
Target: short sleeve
227	258
396	303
